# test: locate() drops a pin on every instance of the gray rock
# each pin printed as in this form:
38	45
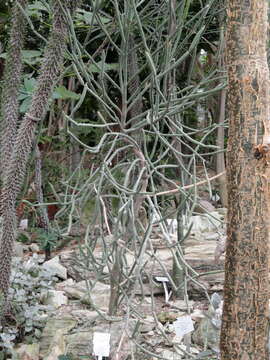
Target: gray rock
61	285
54	298
57	346
148	324
167	354
18	249
82	314
222	211
61	322
54	267
71	260
211	236
207	333
182	305
80	344
147	289
206	223
100	293
204	206
129	261
31	265
75	332
34	248
27	351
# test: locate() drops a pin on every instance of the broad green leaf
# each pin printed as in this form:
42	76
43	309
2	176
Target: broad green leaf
23	96
30	57
86	17
30	53
25	105
63	93
29	84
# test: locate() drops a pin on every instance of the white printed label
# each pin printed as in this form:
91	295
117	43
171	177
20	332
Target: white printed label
183	325
161	278
23	224
101	344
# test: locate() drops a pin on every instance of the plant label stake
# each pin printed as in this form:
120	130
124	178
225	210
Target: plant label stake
101	344
164	280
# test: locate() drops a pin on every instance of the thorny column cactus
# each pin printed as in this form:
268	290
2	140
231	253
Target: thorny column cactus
49	74
44	220
11	83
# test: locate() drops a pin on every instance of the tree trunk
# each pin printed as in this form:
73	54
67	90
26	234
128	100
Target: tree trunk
244	323
220	159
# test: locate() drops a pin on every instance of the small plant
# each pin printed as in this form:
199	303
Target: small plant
65	357
47	239
27	317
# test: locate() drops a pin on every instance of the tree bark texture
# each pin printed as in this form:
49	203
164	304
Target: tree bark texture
244	323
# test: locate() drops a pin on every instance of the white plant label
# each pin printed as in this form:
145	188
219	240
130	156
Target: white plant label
161	278
101	343
183	325
23	224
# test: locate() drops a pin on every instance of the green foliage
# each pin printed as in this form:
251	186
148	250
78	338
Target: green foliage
102	67
65	357
36	8
87	18
63	93
26	92
4	17
53	170
47	239
29	57
28	87
24	237
87	134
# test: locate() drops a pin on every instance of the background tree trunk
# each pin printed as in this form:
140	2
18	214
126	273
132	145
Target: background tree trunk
244	325
220	159
221	115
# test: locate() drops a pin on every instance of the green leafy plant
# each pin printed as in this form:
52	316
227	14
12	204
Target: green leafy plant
27	90
61	92
65	357
47	239
29	57
36	8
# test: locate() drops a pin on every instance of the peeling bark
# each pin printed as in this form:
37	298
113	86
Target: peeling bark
244	323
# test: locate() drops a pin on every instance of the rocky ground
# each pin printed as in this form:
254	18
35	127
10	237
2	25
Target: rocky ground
63	302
